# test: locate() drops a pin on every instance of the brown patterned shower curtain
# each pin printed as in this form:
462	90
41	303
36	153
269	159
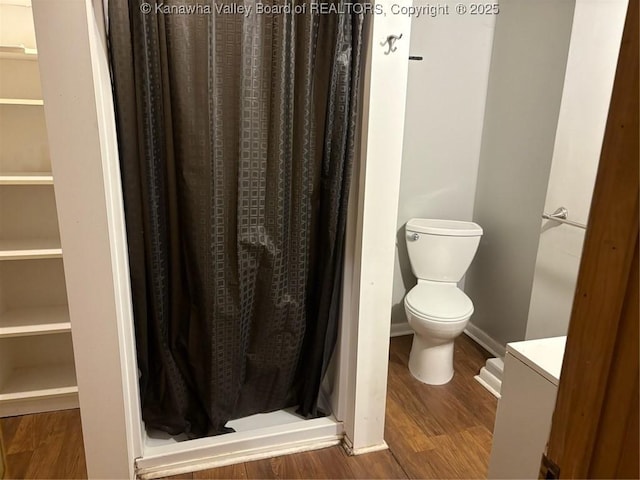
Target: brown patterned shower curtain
236	136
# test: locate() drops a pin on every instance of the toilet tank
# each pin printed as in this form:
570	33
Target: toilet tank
441	250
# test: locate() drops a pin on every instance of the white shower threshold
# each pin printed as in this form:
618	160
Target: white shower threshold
258	436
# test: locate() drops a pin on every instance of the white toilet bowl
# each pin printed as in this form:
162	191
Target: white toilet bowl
437	313
440	252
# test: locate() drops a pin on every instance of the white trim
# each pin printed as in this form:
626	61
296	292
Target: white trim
400	329
348	447
483	339
18	52
212	452
490	376
367	315
26	406
81	130
232	459
488	386
116	226
345	355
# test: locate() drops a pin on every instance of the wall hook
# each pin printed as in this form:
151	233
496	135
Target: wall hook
391	43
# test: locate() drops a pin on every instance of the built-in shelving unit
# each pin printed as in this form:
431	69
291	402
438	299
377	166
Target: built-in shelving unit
37	371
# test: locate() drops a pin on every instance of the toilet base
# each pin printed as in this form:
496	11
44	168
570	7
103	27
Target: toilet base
431	361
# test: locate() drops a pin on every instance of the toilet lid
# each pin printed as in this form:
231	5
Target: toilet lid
439	301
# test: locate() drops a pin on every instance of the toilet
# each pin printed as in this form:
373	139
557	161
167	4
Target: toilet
440	252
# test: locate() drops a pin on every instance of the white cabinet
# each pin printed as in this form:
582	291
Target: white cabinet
36	355
523	420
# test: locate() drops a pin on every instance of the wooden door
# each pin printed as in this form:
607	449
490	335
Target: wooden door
594	432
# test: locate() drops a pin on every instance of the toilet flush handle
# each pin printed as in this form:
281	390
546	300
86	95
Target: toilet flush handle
414	236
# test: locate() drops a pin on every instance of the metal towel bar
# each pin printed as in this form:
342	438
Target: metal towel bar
560	215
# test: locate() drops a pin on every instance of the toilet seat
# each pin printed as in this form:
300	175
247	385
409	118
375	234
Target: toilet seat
438	302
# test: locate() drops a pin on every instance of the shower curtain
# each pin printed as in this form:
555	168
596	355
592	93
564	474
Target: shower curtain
236	134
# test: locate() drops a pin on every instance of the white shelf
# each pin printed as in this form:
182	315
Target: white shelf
18	56
37	371
18	52
24	249
39	381
21	101
26	178
34	321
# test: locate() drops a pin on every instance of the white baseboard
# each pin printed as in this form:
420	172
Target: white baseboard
490	376
490	388
348	447
400	329
483	339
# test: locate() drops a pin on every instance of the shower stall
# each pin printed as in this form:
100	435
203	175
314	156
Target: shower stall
81	120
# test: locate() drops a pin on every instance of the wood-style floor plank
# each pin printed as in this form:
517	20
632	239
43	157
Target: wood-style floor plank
374	465
238	471
18	435
71	461
44	445
324	463
17	465
184	476
432	432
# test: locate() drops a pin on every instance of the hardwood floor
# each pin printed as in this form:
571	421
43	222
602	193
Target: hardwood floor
45	445
440	431
432	432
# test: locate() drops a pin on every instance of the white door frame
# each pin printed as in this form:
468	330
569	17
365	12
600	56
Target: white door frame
80	120
82	140
359	396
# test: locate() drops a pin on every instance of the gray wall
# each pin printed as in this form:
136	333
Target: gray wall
528	63
443	128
